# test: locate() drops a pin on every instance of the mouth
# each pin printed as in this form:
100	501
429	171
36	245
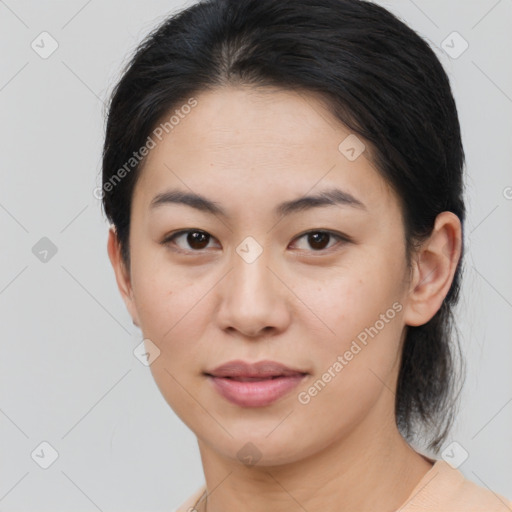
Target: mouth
261	370
253	379
256	385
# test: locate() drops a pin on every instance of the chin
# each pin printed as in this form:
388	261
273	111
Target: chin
262	450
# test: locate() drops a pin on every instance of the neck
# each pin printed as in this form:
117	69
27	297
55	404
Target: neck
370	468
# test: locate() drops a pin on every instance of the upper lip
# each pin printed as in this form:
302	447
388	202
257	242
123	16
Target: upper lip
261	369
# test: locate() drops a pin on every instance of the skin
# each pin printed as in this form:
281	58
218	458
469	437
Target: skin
249	150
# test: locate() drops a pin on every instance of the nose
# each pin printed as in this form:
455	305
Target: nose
254	300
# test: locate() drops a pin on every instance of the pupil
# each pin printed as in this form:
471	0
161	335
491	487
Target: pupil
196	239
316	240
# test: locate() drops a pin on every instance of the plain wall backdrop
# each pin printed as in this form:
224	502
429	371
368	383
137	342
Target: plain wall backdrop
68	375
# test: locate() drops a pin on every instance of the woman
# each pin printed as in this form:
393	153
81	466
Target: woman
284	181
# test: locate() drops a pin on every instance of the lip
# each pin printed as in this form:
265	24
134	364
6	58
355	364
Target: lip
261	369
254	384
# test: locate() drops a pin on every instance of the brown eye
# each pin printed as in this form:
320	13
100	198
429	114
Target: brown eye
319	240
195	240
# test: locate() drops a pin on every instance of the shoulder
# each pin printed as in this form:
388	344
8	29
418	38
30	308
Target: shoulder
476	498
445	489
188	505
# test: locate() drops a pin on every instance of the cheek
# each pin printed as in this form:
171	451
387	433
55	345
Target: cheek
169	306
169	314
361	314
162	296
174	309
354	366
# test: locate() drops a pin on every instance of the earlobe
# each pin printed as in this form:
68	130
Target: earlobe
122	274
434	267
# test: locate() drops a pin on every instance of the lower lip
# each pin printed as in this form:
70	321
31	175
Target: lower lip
255	393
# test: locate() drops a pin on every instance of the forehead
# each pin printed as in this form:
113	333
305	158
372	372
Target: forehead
241	142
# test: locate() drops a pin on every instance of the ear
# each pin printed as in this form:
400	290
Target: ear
122	274
434	266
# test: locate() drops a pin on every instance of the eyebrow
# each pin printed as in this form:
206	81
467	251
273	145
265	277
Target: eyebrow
329	197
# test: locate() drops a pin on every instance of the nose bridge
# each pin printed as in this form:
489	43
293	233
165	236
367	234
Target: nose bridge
251	300
251	280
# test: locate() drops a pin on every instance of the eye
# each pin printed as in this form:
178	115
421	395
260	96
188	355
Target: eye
196	239
319	240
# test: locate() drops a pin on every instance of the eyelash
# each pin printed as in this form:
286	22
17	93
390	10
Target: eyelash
339	236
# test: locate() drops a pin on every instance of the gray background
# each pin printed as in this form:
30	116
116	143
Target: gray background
68	373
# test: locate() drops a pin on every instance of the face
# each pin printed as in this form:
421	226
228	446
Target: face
318	286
